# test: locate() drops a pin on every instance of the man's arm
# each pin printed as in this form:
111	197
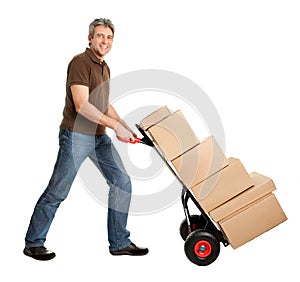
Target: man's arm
80	94
113	114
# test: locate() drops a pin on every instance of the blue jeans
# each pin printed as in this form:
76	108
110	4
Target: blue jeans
74	148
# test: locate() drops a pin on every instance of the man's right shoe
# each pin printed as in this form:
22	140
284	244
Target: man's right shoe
131	250
39	253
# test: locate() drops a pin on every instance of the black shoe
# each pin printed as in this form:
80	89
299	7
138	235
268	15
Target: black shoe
39	253
131	250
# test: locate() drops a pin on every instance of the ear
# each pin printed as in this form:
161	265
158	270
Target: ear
90	38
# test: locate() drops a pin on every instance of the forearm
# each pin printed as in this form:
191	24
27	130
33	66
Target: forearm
90	112
112	113
80	94
111	119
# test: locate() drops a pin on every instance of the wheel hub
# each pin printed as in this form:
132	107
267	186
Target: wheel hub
202	249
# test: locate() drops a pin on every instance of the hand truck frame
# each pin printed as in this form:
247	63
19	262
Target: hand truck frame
201	235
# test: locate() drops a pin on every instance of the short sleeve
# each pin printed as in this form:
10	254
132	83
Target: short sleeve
78	72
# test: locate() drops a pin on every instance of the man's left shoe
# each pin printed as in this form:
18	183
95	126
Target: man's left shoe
131	250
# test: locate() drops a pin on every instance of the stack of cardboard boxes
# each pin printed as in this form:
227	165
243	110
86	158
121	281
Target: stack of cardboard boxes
242	204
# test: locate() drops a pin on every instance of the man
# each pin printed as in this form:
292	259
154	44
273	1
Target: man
86	114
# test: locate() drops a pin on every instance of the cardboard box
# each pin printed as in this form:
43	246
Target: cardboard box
155	117
173	135
263	185
200	162
223	185
253	220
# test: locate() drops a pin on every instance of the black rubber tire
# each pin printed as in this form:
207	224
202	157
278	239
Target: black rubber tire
197	222
201	247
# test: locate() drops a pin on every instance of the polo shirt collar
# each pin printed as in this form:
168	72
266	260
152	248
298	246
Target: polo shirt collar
92	56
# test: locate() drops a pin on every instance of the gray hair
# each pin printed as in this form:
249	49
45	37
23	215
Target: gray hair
101	21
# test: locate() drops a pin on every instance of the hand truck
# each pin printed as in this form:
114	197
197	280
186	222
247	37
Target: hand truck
201	235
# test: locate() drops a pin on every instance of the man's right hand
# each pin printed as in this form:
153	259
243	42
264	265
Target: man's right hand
123	133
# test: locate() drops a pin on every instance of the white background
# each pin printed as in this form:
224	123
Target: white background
243	54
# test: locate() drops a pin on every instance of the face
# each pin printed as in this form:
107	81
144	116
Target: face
101	42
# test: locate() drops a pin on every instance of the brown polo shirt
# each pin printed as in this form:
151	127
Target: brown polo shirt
86	69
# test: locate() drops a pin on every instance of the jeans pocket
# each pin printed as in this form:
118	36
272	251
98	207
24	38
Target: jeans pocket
63	135
105	139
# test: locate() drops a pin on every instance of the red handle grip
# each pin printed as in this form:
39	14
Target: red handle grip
136	140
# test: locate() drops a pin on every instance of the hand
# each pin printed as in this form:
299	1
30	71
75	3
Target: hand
123	132
128	128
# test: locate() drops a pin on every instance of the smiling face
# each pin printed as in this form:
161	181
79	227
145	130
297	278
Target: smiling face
101	41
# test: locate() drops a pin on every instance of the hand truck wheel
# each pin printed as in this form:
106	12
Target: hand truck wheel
201	247
196	221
